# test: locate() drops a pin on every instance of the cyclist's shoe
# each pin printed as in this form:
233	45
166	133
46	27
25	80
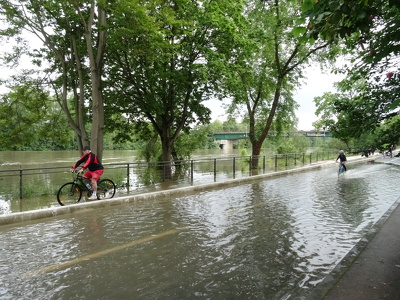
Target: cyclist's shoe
93	197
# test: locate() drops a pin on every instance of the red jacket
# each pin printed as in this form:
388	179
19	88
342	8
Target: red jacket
90	162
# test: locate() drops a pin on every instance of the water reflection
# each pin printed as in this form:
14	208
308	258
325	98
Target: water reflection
5	206
272	239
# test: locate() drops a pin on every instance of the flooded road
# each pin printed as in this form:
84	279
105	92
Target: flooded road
271	239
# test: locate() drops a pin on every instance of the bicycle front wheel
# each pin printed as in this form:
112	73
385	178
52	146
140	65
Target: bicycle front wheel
69	193
105	189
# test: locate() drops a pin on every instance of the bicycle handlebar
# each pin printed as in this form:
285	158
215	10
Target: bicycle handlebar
75	171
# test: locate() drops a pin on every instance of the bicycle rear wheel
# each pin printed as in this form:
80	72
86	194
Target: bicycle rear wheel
69	193
105	189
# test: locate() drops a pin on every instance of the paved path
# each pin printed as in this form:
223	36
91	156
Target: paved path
371	270
375	273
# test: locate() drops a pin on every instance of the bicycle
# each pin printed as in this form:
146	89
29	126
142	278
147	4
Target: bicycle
342	170
71	192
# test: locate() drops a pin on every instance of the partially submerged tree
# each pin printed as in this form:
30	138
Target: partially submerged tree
166	59
268	68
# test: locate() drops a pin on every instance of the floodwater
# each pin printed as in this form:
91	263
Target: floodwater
271	239
46	171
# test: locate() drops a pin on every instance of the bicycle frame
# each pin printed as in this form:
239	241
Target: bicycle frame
81	182
71	192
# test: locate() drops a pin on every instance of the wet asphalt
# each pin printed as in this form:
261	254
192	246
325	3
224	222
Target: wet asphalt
371	270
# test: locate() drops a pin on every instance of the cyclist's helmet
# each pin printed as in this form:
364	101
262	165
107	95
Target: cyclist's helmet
341	152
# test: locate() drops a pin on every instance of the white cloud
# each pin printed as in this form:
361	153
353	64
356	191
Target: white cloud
315	85
217	110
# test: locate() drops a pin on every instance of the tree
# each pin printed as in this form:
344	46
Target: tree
388	133
370	32
29	120
73	33
165	59
350	112
265	73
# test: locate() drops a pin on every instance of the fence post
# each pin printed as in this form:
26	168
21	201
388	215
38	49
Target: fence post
20	184
191	171
234	167
304	158
310	158
276	162
128	181
250	160
286	163
295	159
264	164
215	169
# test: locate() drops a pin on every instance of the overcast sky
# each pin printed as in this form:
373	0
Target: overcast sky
315	84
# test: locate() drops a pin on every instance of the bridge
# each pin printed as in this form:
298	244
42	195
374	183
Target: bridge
228	139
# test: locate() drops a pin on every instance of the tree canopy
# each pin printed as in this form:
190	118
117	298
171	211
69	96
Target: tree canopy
122	65
369	32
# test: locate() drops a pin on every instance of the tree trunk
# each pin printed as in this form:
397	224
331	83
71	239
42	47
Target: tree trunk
257	143
97	132
255	153
96	69
166	156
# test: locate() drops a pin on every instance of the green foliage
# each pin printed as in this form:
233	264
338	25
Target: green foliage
370	32
331	144
216	126
264	74
165	60
295	144
30	120
335	19
387	134
151	152
230	125
187	143
349	113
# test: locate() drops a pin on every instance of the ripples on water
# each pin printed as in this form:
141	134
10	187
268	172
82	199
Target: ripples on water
272	239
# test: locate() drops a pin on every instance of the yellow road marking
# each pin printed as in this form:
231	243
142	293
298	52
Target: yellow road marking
78	260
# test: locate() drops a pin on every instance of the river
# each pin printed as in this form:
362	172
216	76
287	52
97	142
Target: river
40	182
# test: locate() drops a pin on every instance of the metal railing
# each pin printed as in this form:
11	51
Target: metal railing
189	171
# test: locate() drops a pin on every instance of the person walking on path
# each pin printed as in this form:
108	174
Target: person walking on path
95	169
342	159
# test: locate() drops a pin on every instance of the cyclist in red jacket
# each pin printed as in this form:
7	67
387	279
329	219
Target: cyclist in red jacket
95	169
